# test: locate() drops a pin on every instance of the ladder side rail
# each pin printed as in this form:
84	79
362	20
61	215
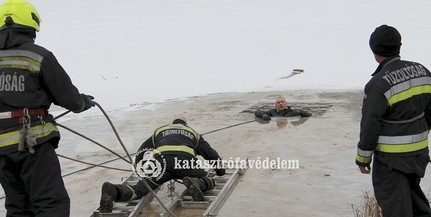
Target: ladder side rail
210	211
140	205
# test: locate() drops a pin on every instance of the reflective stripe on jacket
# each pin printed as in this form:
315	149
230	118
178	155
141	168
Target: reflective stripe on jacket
172	148
402	144
43	132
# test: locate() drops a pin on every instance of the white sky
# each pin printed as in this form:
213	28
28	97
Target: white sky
135	51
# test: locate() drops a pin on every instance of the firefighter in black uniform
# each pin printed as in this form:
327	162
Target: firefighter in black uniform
281	110
31	80
396	118
171	146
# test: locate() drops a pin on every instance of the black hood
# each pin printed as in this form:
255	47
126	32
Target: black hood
11	37
179	121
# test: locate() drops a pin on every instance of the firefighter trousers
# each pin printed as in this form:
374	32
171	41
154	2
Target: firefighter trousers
33	184
169	172
396	182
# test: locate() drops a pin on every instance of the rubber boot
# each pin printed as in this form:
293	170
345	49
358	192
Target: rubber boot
209	184
194	187
197	186
117	193
109	194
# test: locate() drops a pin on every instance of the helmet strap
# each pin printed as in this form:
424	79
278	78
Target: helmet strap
9	21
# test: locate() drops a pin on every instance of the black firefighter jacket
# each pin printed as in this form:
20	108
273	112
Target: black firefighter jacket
287	112
396	111
31	77
178	139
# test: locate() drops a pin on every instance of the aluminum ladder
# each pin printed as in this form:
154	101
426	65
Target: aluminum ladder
213	199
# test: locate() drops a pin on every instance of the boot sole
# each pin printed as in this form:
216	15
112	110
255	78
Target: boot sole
106	203
194	190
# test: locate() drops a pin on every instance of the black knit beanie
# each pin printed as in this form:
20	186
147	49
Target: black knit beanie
385	41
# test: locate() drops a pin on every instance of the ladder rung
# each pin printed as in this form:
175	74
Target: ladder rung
195	204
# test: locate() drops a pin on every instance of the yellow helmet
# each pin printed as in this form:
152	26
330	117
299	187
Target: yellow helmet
19	12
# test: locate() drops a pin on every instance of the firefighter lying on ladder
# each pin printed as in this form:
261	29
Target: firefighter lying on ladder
170	146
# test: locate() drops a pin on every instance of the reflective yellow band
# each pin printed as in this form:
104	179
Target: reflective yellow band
20	59
388	148
12	138
409	93
182	148
364	160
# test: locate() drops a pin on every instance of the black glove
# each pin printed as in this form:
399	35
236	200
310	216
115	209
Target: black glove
305	114
258	113
266	117
220	172
88	101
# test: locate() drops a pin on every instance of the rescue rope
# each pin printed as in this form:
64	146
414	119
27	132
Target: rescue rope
83	169
115	131
91	140
120	157
223	128
62	114
93	165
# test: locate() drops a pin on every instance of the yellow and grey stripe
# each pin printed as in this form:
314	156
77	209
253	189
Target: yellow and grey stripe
402	144
21	59
408	89
12	138
364	160
364	156
403	139
180	148
364	153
